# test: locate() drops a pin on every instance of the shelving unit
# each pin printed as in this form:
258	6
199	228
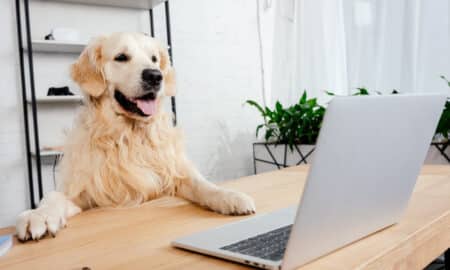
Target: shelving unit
28	47
441	147
52	46
57	99
47	153
135	4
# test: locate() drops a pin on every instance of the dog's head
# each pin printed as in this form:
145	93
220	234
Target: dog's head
131	69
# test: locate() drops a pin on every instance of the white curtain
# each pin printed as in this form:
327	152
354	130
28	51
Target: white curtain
339	45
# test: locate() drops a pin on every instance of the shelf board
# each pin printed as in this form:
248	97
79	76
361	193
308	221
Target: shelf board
47	153
53	46
57	99
134	4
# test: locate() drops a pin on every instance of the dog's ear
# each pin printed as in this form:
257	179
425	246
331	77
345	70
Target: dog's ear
167	71
87	70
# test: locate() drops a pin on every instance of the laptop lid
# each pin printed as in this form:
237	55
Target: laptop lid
368	156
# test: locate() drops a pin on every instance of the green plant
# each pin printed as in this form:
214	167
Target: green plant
362	91
296	124
443	127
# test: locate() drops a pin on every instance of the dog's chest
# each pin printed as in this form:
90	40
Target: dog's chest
146	152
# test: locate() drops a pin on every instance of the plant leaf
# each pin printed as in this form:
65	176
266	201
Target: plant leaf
303	98
278	107
269	133
256	105
361	92
258	128
444	78
298	123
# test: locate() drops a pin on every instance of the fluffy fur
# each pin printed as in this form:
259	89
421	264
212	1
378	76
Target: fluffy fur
114	157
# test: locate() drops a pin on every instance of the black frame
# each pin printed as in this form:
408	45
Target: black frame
31	82
441	147
447	259
273	160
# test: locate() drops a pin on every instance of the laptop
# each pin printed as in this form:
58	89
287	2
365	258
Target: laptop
367	158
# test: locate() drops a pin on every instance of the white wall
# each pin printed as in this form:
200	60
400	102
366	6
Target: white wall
216	58
12	166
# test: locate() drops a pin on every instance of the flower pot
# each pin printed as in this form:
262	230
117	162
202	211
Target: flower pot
274	156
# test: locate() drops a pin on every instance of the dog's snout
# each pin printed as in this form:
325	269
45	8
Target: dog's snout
152	76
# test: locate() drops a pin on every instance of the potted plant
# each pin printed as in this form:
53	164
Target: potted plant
441	137
290	133
443	128
441	140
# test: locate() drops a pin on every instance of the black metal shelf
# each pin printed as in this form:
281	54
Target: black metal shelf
441	147
29	46
132	4
53	46
280	164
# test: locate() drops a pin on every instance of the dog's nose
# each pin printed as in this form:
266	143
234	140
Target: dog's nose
152	76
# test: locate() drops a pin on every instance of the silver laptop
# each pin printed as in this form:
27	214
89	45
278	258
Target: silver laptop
367	159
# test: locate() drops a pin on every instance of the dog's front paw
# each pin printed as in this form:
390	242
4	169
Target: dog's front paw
34	224
230	202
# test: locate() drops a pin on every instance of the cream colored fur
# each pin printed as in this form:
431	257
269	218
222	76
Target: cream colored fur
116	158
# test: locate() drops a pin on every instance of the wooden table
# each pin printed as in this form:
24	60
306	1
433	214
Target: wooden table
139	238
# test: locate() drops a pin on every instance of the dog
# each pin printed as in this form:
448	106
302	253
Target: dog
124	149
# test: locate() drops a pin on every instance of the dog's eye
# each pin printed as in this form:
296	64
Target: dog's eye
154	59
121	57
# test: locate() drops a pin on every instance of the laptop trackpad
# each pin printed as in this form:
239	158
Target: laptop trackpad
237	231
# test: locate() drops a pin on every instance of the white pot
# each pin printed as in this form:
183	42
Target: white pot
270	156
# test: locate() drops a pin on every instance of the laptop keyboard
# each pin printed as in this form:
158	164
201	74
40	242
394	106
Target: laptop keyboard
270	245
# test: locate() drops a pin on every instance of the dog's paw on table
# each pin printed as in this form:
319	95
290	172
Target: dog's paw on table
229	202
35	224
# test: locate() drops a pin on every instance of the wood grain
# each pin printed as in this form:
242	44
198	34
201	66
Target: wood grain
139	238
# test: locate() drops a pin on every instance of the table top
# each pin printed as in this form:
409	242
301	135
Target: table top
139	238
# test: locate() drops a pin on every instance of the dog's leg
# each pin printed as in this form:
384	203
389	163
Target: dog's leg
197	189
49	217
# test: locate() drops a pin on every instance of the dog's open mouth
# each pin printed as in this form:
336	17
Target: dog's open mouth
144	105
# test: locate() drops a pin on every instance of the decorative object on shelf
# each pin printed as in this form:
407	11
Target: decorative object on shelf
296	127
49	37
59	91
6	243
64	34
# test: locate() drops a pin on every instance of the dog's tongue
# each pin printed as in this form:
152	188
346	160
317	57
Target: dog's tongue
147	106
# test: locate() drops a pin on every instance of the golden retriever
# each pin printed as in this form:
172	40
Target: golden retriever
123	149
